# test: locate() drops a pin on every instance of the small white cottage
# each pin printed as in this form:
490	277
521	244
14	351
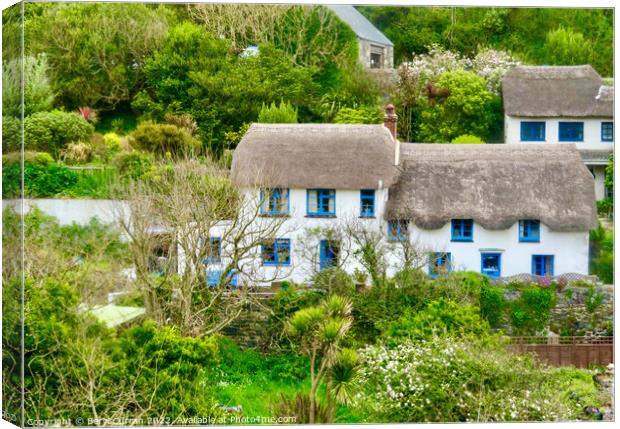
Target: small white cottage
562	104
501	210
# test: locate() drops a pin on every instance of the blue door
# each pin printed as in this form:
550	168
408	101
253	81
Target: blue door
491	264
328	254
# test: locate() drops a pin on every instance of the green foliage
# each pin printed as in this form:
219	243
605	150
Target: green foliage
461	380
348	115
468	109
97	50
593	300
602	262
283	113
164	138
565	46
439	317
11	134
605	207
467	139
40	181
530	313
51	131
30	157
334	280
492	305
609	173
134	164
38	94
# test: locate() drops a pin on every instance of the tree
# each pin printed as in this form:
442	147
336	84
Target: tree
320	331
467	139
96	51
465	106
347	115
174	213
38	93
565	46
284	113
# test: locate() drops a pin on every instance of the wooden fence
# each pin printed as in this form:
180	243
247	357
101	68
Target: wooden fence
580	352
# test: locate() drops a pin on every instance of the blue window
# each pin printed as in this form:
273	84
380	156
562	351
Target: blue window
571	132
321	202
491	264
607	131
367	202
439	263
214	278
542	265
398	230
274	201
529	230
462	230
277	253
329	251
214	251
532	131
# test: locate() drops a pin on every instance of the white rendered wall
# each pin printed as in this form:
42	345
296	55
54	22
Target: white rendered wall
591	130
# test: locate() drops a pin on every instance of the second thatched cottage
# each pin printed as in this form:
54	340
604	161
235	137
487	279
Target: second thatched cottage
501	210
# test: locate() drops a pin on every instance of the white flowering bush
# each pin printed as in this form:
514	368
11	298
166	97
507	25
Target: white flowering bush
456	380
492	65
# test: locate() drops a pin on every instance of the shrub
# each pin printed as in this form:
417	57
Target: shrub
460	286
51	131
164	138
112	142
30	157
452	380
605	207
467	139
88	113
39	180
369	115
334	280
281	114
133	164
11	134
38	93
530	313
492	305
76	153
438	318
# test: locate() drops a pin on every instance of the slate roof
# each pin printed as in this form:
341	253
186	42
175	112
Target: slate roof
360	25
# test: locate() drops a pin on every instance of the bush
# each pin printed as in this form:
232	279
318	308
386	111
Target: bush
51	131
605	207
452	380
164	138
347	115
460	286
11	134
30	157
112	142
42	178
77	153
282	114
492	304
334	281
467	139
133	164
530	313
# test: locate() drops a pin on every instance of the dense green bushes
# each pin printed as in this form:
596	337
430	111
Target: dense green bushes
11	134
530	313
164	138
51	131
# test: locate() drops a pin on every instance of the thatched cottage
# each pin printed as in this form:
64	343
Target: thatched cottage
562	104
497	209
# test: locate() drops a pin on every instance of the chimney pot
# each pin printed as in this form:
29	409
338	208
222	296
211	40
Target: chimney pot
390	120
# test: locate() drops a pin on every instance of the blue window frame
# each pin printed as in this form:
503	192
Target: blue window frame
542	265
439	263
398	230
532	131
321	202
571	132
529	230
277	253
329	251
214	276
491	264
367	203
214	252
274	201
607	131
462	230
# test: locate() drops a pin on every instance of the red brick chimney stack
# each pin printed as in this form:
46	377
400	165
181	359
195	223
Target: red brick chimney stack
390	119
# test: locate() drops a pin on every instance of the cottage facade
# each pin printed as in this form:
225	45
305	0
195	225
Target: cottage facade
501	210
558	105
375	50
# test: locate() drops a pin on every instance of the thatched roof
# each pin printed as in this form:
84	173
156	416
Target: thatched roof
596	156
315	156
496	185
552	91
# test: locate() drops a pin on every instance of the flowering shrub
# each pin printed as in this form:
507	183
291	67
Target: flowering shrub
447	380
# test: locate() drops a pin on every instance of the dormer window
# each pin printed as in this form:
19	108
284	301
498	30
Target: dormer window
321	202
274	201
462	230
529	230
571	132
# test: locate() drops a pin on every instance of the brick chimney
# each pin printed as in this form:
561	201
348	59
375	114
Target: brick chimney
389	120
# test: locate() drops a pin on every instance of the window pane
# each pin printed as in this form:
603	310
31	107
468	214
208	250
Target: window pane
607	131
313	201
268	253
571	131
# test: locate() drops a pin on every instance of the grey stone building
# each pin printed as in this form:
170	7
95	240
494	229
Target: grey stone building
375	50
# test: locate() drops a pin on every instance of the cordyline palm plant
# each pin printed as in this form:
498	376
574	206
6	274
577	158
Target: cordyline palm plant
320	331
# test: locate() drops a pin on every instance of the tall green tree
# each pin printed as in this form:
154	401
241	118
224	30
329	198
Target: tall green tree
565	47
38	93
